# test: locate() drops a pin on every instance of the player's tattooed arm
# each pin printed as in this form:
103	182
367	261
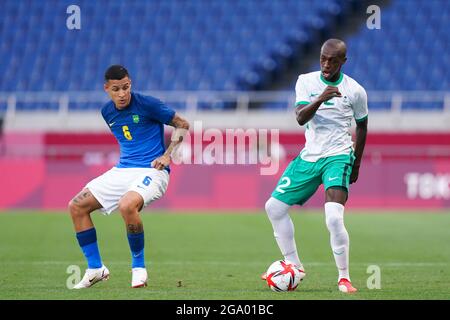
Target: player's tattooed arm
181	127
179	122
361	134
304	113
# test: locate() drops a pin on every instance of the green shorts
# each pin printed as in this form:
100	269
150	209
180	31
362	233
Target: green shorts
301	178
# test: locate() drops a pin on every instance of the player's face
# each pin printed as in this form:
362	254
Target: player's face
331	63
119	91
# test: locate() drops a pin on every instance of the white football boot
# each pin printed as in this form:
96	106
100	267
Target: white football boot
92	276
139	277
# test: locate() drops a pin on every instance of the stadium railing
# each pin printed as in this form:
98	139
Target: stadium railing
66	111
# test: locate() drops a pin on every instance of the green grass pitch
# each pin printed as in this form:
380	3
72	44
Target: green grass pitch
221	256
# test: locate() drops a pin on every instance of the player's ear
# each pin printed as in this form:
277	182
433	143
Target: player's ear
105	86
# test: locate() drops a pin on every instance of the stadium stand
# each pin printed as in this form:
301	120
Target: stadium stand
408	53
213	45
220	54
166	45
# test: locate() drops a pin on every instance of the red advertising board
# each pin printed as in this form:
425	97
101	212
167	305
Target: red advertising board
399	171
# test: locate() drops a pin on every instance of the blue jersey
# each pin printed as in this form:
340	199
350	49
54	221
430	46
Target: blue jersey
139	129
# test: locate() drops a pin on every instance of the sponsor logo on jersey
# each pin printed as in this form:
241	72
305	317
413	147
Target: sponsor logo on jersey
135	118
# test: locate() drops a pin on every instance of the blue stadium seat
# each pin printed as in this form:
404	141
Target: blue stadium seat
217	45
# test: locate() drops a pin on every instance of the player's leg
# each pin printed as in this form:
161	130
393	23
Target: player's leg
336	180
129	206
339	238
148	187
80	208
297	184
283	229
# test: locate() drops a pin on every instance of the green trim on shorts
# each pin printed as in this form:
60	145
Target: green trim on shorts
301	178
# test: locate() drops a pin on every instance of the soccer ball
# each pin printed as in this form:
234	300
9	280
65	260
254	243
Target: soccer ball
283	275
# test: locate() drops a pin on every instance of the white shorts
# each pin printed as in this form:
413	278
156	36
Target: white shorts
108	188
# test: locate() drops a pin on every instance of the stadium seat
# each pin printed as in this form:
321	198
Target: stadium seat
214	45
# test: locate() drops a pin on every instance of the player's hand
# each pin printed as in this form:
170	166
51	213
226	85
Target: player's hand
355	174
161	162
330	92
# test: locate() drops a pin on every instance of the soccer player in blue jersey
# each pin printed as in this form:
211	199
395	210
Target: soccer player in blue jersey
140	177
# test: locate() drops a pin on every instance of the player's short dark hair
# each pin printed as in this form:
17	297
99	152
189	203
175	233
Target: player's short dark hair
116	72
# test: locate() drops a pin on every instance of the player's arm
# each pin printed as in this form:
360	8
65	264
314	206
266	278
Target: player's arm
181	128
304	113
361	134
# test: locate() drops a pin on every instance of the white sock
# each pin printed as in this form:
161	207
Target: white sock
283	229
334	216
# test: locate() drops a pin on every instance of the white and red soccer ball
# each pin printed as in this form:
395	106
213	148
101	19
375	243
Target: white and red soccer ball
283	276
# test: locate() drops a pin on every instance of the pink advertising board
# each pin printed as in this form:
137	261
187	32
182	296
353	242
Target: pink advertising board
48	180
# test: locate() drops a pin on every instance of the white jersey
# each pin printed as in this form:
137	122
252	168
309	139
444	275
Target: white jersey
328	132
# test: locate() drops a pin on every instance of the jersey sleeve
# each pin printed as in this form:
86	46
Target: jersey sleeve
157	110
360	109
105	114
301	93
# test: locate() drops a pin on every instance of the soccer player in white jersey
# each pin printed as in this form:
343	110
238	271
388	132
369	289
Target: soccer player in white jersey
140	177
326	102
